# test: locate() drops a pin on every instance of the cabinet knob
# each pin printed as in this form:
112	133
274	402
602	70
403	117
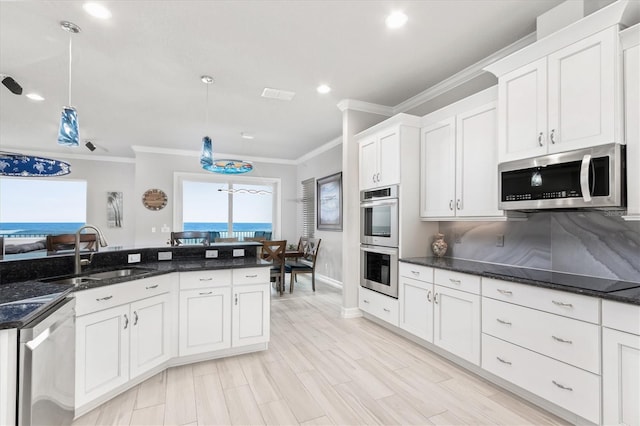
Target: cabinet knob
552	136
540	137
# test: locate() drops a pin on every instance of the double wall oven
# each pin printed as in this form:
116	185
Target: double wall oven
379	227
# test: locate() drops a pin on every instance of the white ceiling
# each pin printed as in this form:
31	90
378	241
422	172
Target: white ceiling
136	77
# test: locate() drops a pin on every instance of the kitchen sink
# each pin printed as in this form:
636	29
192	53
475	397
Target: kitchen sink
118	273
74	280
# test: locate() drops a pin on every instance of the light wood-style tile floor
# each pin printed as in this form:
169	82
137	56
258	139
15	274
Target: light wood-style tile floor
319	369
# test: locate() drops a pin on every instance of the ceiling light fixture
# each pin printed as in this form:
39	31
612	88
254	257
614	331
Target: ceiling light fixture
97	10
247	136
396	19
34	97
69	133
228	167
323	89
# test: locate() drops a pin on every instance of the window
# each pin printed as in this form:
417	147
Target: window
308	208
35	207
231	207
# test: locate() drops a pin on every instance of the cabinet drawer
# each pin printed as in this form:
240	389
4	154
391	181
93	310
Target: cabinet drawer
416	272
570	305
621	316
93	300
200	279
457	280
569	387
250	276
381	306
565	339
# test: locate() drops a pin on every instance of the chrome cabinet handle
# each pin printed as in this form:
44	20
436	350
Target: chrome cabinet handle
205	293
152	286
103	298
561	340
503	361
373	178
455	281
435	298
365	300
135	318
540	136
568	305
450	204
503	321
251	276
416	273
429	296
552	135
126	321
236	302
507	292
561	386
206	279
386	310
459	204
378	177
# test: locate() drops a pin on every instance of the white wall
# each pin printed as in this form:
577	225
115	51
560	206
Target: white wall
329	261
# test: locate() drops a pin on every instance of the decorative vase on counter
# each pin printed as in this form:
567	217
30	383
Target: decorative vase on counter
439	245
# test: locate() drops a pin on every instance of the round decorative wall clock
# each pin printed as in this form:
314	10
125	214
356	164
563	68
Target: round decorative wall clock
154	199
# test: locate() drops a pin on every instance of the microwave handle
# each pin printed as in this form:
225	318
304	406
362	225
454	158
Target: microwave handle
584	178
379	203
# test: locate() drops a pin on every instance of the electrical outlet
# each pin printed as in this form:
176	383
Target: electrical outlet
210	254
165	229
238	252
165	255
457	238
499	240
134	258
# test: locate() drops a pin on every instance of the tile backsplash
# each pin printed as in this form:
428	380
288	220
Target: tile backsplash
579	242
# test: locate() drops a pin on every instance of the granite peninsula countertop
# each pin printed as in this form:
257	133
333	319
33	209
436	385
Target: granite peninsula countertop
605	288
20	302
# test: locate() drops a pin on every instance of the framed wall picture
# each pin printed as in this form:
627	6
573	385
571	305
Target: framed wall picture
114	209
329	202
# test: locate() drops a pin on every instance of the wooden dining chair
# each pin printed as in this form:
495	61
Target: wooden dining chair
306	264
273	251
227	240
62	242
190	238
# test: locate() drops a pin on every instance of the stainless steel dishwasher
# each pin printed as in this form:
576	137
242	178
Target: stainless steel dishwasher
46	385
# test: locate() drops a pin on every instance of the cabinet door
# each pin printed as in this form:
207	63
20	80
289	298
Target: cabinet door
250	321
632	129
582	85
457	323
389	158
368	163
522	107
620	377
204	323
437	169
102	352
477	162
416	307
149	333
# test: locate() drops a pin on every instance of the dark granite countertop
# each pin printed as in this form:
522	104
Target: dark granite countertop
18	307
605	288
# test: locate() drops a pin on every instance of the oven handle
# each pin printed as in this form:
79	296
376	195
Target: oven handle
392	202
584	178
378	249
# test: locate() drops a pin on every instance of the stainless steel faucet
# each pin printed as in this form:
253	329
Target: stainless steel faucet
101	241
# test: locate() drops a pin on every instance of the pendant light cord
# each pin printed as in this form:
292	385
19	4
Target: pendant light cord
70	58
207	111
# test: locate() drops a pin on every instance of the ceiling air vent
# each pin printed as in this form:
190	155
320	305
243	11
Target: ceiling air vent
283	95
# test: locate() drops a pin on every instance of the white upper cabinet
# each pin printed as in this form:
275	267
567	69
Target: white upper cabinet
459	159
631	44
380	159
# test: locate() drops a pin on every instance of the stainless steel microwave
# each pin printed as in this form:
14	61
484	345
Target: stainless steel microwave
586	178
379	217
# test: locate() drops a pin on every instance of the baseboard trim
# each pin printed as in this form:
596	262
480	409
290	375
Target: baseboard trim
348	313
332	282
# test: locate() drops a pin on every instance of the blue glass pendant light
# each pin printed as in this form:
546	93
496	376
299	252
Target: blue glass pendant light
69	132
208	163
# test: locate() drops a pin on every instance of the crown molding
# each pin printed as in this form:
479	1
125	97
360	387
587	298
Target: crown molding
191	153
324	148
356	105
56	155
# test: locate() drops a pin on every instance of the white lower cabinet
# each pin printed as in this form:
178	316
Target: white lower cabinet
204	320
416	307
250	314
566	386
456	323
149	334
378	305
620	363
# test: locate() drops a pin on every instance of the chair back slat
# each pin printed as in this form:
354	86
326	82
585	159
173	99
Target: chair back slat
190	238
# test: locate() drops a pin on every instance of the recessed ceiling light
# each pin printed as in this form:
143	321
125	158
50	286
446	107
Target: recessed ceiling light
323	88
247	135
396	20
97	10
34	97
